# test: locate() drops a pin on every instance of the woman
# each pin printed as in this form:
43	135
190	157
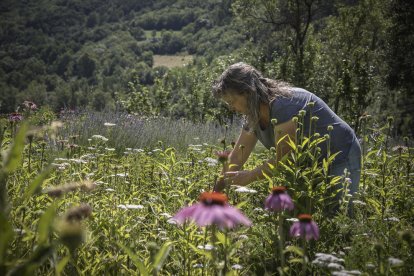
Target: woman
261	100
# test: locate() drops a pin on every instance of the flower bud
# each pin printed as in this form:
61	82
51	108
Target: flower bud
71	234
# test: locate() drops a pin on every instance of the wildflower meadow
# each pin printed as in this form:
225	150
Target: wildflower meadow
93	194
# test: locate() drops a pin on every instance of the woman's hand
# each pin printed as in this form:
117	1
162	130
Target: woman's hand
239	178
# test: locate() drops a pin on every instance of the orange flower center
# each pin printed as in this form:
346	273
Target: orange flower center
278	190
211	198
305	218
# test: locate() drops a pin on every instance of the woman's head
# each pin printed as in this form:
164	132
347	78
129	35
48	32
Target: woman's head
241	79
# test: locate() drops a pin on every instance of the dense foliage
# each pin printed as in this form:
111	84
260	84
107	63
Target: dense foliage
71	54
356	55
76	198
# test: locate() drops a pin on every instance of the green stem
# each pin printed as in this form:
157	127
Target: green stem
305	258
281	241
225	253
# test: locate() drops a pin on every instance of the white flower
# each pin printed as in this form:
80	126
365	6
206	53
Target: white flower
394	261
61	159
130	206
236	267
245	190
19	231
206	247
211	162
328	258
109	149
194	146
393	219
346	273
110	190
292	219
109	124
100	137
370	265
335	266
120	174
166	215
172	221
78	161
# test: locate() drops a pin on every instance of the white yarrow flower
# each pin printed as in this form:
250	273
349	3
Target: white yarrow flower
100	137
242	189
395	262
130	206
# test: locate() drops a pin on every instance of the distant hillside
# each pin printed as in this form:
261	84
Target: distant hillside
69	54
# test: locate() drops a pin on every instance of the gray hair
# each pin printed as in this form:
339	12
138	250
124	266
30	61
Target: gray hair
243	79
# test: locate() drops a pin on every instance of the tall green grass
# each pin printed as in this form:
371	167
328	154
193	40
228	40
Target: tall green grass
130	131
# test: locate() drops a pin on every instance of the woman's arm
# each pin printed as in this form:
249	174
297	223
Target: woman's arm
238	156
283	132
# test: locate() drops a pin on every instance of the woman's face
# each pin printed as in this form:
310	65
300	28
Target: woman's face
236	102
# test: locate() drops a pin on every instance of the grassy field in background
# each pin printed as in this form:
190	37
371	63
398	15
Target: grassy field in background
172	60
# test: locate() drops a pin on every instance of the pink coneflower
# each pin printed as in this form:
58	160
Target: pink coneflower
15	117
223	156
213	209
305	227
279	200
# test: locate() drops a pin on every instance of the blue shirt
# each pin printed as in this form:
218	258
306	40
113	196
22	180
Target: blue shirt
284	109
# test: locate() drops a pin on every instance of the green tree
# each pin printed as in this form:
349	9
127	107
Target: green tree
400	58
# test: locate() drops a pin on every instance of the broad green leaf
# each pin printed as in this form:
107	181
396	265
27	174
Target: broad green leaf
39	256
61	265
294	249
162	255
14	158
34	186
45	224
241	204
296	260
221	237
135	259
6	235
374	203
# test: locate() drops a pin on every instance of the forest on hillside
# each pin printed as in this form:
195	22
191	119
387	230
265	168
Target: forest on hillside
356	55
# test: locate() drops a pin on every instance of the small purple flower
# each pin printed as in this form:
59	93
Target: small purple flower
213	209
305	227
279	200
15	117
